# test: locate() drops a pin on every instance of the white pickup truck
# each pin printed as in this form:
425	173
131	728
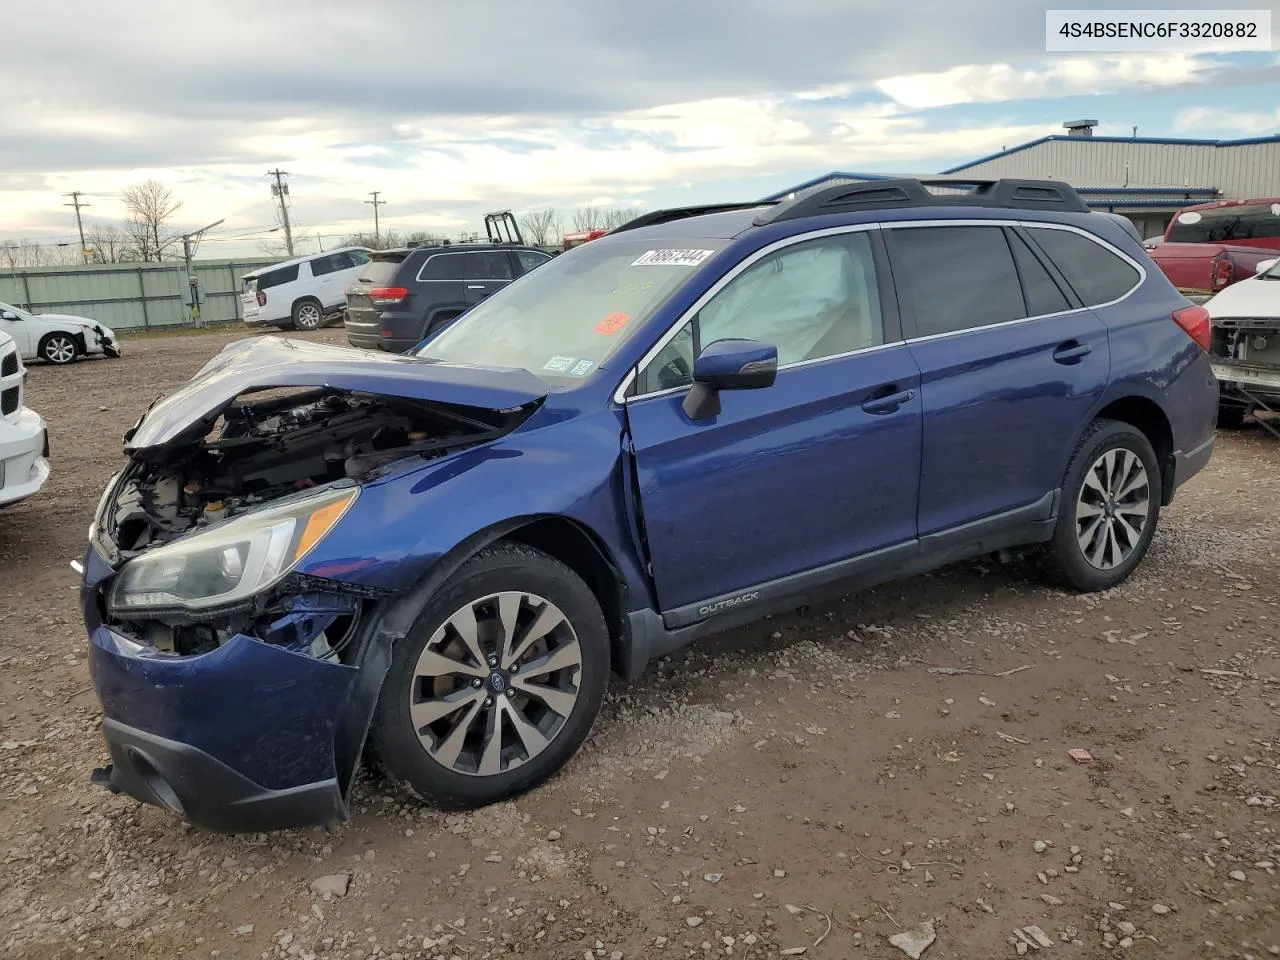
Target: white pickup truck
24	442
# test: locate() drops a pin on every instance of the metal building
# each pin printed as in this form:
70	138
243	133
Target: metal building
1146	178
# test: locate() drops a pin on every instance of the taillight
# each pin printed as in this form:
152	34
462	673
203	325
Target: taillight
1224	271
262	298
387	294
1195	322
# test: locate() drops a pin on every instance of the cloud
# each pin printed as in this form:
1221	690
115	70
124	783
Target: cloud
978	83
454	109
1215	121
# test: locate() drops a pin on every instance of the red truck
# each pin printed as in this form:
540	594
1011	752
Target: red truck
1210	246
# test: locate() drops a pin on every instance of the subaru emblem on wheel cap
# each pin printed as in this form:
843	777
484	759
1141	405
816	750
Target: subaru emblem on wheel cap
497	682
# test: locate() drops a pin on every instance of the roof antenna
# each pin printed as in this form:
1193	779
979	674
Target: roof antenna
1135	133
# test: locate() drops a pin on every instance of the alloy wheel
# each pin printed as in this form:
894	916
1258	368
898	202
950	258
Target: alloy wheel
1113	508
495	684
59	349
308	316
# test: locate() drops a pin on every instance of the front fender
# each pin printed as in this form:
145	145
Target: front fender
557	465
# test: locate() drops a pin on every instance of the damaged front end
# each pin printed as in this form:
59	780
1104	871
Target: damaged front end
1245	355
237	691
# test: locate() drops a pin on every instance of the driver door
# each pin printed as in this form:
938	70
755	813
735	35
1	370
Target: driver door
821	467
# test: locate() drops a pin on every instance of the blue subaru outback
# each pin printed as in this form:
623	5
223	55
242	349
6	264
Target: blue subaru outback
315	555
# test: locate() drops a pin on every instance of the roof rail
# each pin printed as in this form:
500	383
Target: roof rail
682	213
892	194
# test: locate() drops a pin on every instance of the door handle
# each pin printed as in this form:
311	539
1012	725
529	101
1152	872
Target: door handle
475	286
883	405
1072	352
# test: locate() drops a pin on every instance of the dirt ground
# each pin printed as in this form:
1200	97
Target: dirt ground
812	784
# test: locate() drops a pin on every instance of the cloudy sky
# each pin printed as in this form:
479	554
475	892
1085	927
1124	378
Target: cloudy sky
451	109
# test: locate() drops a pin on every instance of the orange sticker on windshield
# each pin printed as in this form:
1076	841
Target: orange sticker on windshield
612	323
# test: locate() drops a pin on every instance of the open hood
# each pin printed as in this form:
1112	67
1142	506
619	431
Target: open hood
265	363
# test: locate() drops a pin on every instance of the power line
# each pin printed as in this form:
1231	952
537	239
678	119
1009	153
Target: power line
376	204
75	202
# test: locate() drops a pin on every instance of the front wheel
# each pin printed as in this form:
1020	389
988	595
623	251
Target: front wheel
498	682
1110	506
59	348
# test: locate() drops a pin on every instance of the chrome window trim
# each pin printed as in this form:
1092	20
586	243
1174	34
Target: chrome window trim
619	393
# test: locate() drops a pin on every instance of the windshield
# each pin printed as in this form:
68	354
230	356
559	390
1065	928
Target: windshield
566	318
1243	222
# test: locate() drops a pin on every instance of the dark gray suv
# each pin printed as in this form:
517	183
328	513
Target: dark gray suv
403	295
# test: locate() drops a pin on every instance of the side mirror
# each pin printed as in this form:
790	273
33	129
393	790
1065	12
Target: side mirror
9	315
728	365
1266	265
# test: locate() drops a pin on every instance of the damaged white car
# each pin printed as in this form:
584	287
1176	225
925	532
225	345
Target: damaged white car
24	443
55	337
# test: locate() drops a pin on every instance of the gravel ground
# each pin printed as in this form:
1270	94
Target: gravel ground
814	784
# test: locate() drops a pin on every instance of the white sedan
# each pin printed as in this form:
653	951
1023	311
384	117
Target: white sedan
55	337
1246	344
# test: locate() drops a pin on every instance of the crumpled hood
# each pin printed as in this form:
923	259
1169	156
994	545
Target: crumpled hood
67	318
264	363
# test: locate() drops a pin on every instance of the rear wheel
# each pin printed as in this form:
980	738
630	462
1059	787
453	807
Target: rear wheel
1110	506
307	315
59	348
497	683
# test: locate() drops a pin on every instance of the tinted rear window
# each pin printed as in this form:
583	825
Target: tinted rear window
274	278
489	265
956	278
381	269
442	266
1097	275
1040	289
1250	221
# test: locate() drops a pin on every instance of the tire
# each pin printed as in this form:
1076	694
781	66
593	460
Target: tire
1230	415
59	348
1088	511
443	765
307	315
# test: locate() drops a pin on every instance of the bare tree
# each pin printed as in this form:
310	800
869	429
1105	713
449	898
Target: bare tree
22	253
541	227
590	217
151	205
612	219
586	217
107	243
385	240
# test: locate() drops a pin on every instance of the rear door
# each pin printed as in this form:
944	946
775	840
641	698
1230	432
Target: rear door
486	272
330	274
1010	367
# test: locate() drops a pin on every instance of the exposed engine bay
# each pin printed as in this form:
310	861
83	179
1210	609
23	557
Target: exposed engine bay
261	448
1251	343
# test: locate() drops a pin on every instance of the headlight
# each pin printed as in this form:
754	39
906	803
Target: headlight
232	561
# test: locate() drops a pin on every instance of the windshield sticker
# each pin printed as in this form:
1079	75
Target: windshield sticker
612	323
1189	217
559	364
671	258
580	368
1275	209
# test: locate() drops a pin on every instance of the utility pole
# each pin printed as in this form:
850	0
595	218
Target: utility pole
192	295
377	236
280	190
75	202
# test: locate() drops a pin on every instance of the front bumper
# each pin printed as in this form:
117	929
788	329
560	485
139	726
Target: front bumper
206	792
24	456
241	738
